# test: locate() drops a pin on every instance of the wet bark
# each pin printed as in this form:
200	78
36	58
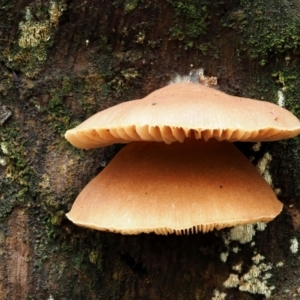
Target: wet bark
62	61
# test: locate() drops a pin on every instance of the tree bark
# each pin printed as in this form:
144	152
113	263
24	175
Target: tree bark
60	62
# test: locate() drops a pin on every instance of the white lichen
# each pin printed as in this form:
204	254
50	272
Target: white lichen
103	163
34	32
281	99
256	146
226	239
263	162
294	245
4	148
267	276
268	178
224	256
261	226
263	167
254	272
3	161
279	264
265	267
256	287
218	295
232	281
257	258
55	11
277	191
235	249
254	281
238	267
242	233
28	15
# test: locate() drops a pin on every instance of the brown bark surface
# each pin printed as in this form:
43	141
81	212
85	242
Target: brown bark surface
62	61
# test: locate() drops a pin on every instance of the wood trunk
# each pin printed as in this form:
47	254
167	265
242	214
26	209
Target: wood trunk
60	62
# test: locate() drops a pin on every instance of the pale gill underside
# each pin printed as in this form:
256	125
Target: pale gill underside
95	138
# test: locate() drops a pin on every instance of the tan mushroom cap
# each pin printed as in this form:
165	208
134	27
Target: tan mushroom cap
183	110
181	188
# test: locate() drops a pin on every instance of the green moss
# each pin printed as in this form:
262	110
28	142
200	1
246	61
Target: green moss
123	63
18	177
267	36
191	20
130	5
84	91
286	156
265	85
267	31
288	78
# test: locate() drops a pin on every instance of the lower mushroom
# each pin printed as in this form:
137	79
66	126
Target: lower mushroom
178	188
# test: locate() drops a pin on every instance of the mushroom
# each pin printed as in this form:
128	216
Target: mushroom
200	184
186	110
182	188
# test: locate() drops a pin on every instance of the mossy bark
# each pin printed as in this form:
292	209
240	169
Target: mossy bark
60	62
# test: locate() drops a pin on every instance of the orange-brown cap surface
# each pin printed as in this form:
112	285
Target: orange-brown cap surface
181	188
183	110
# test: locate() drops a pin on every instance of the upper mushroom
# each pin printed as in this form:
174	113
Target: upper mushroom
182	110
